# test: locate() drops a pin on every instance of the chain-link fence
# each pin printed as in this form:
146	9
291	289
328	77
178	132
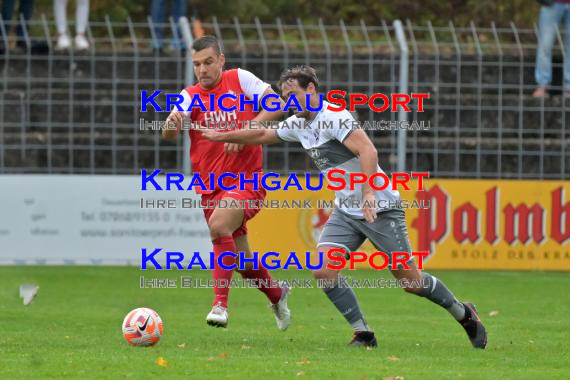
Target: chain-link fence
78	112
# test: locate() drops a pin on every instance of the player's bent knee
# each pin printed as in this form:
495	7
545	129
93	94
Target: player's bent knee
325	274
224	222
219	229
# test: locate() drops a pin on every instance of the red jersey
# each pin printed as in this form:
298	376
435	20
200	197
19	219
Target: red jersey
208	156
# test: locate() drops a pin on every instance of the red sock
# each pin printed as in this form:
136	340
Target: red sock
221	245
273	294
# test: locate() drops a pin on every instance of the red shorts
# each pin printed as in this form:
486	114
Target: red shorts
246	194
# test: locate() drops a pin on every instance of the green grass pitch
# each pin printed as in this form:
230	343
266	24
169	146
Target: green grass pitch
73	329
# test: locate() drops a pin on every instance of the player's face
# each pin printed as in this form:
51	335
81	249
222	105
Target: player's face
208	66
291	87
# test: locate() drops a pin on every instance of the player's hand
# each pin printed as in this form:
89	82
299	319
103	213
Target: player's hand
230	148
177	117
369	212
212	135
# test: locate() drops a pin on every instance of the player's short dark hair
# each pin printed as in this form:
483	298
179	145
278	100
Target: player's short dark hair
303	74
207	42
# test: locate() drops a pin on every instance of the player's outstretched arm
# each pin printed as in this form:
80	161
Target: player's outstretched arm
176	116
359	143
249	136
265	115
244	136
262	116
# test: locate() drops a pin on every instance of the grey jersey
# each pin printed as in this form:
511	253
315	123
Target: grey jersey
323	141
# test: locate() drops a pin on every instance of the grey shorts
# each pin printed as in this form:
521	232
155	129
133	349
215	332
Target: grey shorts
388	233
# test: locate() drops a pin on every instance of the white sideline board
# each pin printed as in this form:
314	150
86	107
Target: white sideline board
93	220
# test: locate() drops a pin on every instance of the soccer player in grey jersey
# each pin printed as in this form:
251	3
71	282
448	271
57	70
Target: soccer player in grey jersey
332	146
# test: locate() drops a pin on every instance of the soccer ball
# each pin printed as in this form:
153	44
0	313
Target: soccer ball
142	327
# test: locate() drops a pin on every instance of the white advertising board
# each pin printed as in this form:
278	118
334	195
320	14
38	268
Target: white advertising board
82	219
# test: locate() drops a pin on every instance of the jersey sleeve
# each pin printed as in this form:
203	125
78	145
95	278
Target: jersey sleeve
251	85
342	126
287	133
187	100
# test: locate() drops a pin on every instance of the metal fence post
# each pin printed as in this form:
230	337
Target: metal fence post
155	43
25	105
114	92
49	95
285	65
135	89
349	52
392	84
189	80
370	68
284	43
6	64
92	113
415	80
242	48
479	95
563	117
458	65
6	43
402	116
561	41
2	93
265	69
327	52
178	48
264	51
437	96
500	102
218	31
188	41
304	39
521	98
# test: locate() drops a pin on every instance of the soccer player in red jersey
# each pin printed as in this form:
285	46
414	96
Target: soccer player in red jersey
227	225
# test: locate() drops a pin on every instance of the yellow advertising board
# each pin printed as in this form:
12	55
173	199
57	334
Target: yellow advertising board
470	224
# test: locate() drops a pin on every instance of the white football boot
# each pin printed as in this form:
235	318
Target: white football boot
218	317
281	310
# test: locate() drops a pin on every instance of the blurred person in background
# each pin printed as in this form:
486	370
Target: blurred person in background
25	9
552	12
81	17
177	10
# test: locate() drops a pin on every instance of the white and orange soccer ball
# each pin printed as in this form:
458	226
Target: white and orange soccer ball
142	327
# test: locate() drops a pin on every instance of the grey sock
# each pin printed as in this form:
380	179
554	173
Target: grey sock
344	299
438	293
